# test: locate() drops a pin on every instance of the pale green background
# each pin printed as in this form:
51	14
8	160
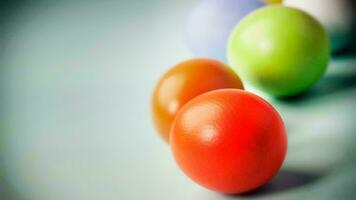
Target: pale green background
76	79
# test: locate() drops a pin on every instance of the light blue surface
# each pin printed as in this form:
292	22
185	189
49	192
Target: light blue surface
76	79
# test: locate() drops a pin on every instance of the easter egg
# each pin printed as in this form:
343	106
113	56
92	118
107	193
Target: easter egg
279	50
185	81
229	141
272	1
337	16
210	23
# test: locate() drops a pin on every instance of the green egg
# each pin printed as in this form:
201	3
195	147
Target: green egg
279	50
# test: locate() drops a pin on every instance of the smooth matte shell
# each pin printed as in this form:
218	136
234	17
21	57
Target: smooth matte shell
229	141
280	50
185	81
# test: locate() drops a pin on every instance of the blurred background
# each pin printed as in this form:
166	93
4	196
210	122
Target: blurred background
76	79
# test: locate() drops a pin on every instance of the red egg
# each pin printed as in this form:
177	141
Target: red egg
229	141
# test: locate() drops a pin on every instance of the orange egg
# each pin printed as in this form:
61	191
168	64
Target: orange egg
184	82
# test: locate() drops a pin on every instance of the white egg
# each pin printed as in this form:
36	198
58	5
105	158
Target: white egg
337	16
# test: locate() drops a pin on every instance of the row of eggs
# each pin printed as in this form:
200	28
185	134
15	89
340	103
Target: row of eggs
230	140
